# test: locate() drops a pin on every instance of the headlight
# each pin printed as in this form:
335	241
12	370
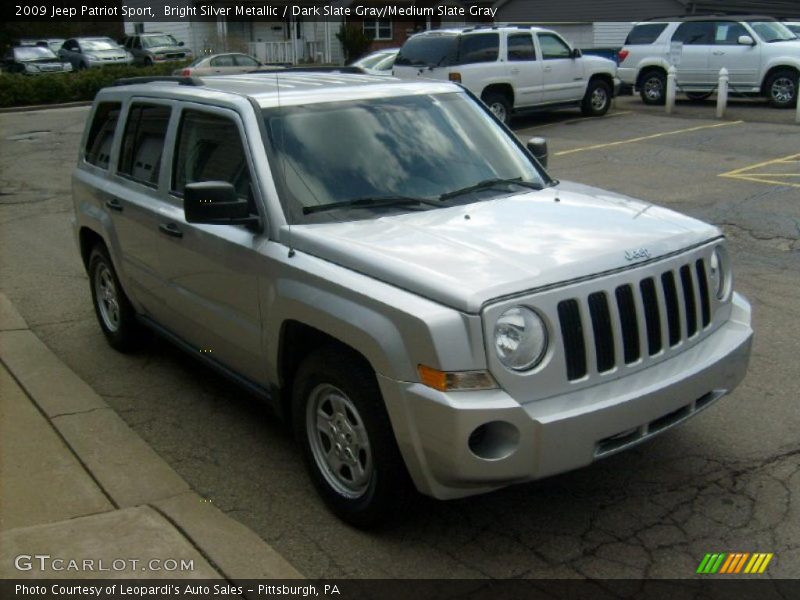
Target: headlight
91	57
520	338
32	68
717	266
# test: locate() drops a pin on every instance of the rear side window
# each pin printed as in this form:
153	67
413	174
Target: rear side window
143	142
226	60
484	47
101	134
520	47
428	50
210	149
646	33
694	33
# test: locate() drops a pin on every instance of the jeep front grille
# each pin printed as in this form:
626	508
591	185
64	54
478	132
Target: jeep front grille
634	315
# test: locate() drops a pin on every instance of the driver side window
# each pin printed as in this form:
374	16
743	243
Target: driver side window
210	148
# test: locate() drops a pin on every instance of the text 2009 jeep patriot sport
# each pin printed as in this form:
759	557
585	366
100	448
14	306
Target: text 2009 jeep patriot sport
388	266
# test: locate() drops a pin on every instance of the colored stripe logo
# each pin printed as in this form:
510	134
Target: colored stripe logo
734	563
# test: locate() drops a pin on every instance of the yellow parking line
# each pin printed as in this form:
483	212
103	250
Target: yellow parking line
645	138
746	173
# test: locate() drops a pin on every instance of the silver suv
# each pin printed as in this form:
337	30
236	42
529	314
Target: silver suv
399	277
155	48
511	69
761	55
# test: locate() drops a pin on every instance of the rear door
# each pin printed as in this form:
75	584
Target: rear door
697	38
134	200
563	75
211	271
524	69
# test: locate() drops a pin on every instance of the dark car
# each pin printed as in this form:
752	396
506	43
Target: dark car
34	60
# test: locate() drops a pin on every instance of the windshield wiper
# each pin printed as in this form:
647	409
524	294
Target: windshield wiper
369	202
488	184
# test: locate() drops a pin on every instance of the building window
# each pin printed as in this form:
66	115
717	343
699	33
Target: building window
378	29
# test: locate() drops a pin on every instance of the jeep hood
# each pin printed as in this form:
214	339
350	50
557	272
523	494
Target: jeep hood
465	256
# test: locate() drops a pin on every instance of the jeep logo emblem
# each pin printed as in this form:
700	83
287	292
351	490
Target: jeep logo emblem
637	254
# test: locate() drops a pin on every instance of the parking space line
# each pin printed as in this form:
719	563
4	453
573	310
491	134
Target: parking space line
579	119
645	138
746	173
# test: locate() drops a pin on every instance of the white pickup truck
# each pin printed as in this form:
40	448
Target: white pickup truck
511	68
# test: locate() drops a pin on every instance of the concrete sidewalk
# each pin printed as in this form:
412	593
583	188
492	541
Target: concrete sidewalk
79	486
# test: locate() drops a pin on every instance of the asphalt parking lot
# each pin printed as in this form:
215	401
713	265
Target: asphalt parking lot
726	481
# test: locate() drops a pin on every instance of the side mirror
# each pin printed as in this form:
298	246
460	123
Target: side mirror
538	147
576	53
215	203
746	40
180	43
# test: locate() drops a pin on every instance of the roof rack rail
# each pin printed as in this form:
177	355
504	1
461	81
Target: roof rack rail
180	80
310	69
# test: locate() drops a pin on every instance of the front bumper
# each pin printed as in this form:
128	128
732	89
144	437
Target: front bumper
560	433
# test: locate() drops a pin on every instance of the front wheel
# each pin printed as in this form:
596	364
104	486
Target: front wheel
499	105
114	312
653	87
597	99
340	421
782	88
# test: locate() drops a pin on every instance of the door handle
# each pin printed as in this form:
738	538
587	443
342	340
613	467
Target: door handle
548	69
515	71
718	53
170	229
114	204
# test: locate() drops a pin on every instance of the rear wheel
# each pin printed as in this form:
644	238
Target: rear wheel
597	99
653	87
499	104
782	88
339	419
114	311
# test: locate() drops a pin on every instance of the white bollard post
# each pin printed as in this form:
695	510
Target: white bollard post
671	85
722	92
797	115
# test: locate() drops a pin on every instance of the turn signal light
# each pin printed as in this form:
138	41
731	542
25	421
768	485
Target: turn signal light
455	77
455	380
186	72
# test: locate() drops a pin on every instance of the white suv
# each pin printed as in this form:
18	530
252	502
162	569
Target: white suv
761	55
511	68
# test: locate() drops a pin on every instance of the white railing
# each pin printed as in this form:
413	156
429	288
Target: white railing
282	52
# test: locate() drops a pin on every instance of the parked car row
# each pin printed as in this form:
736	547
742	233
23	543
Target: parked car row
58	55
762	57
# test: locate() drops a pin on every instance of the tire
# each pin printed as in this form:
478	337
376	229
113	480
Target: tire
499	104
782	87
698	96
339	419
148	62
597	99
114	311
653	87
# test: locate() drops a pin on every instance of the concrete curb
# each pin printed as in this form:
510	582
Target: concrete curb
32	107
126	469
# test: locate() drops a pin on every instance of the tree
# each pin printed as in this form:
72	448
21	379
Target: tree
354	41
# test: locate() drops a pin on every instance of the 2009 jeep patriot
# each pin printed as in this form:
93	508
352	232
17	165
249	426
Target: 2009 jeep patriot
400	277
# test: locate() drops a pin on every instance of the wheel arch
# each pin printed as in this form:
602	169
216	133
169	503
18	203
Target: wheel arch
506	89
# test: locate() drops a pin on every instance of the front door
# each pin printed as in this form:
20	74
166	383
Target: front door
563	75
741	60
211	272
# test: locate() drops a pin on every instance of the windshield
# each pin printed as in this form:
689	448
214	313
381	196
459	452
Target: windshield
772	31
428	51
152	41
103	44
33	53
373	59
420	146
